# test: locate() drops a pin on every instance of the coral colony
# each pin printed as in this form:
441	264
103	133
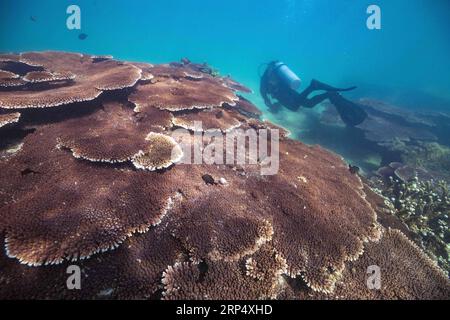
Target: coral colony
98	171
416	179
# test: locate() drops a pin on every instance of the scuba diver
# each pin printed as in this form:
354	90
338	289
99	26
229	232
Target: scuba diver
280	83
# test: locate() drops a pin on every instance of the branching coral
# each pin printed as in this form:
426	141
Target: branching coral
424	206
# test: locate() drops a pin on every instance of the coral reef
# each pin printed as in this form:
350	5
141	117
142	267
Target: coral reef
424	207
8	118
430	157
211	120
101	184
68	78
112	134
417	139
175	94
401	278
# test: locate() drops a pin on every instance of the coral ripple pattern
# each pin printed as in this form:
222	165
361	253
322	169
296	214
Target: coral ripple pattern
115	157
91	175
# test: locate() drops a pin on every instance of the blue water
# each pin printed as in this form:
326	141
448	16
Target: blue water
406	62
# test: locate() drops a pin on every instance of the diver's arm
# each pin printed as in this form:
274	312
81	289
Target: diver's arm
264	91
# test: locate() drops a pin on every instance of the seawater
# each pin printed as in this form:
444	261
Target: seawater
406	62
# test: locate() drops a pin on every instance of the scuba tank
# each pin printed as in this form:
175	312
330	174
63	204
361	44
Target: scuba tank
287	75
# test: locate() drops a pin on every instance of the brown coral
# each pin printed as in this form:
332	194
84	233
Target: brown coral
218	226
311	204
9	118
133	271
182	94
111	134
212	280
246	108
10	79
406	272
236	86
90	80
161	152
45	76
225	230
175	71
147	70
90	209
9	57
216	120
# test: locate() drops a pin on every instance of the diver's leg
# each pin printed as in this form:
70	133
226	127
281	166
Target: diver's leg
312	102
317	85
351	113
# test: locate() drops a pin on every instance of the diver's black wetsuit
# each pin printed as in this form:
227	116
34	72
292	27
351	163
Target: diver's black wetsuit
273	87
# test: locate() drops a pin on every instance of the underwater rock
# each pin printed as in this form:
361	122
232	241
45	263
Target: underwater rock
353	169
75	193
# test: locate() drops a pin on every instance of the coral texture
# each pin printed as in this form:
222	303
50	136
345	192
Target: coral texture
106	185
87	79
9	118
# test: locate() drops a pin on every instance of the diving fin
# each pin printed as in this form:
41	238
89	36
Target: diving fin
317	85
351	113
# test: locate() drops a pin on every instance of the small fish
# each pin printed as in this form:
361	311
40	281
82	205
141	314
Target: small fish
82	36
33	18
185	61
208	179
